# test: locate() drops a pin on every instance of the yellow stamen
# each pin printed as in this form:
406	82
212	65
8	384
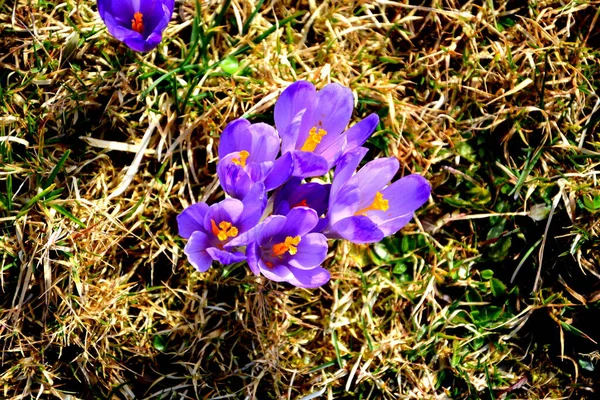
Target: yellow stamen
136	23
314	138
224	230
289	245
242	158
378	204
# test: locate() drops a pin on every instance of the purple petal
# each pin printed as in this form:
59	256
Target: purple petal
195	250
323	222
155	15
118	16
191	219
313	195
404	197
141	45
244	238
345	168
123	10
282	201
234	179
269	228
255	203
121	32
252	258
225	257
277	273
373	177
236	137
299	221
311	252
335	150
259	171
309	279
351	139
332	113
407	194
345	203
312	278
281	172
361	131
296	97
265	143
308	164
289	136
228	210
392	226
357	229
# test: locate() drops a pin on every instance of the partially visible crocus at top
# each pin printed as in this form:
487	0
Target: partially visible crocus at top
364	207
209	229
311	125
137	23
297	194
247	156
283	249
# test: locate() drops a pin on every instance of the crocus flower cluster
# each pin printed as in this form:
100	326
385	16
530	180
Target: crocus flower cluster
276	217
137	23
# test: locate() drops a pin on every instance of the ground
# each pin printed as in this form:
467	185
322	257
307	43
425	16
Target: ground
491	292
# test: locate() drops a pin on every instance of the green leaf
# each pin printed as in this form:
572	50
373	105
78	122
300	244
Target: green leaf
591	204
473	296
496	230
399	268
539	212
407	244
456	359
230	65
507	22
499	250
159	343
587	365
498	288
486	315
465	151
480	195
487	274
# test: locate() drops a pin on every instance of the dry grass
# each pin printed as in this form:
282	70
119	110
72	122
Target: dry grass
101	148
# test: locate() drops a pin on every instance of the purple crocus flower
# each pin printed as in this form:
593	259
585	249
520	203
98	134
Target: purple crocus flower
311	125
209	229
137	23
364	207
247	156
296	194
283	249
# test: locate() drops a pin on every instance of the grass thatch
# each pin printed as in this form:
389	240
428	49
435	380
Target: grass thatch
492	291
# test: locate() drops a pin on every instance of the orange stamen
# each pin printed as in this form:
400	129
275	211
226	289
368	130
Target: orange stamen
224	230
300	204
314	138
136	23
289	245
242	159
378	204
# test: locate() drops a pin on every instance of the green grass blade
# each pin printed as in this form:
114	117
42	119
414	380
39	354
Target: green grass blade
56	169
66	213
251	17
34	200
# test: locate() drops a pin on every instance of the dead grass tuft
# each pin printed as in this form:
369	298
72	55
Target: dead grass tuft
489	293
